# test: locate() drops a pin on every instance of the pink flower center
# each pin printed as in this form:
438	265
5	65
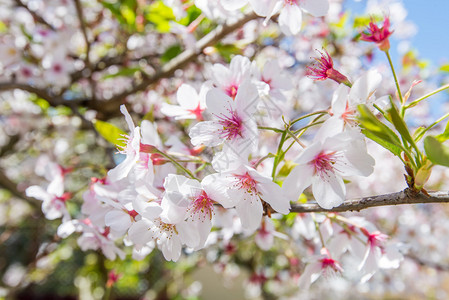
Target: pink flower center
247	183
65	197
202	205
376	239
324	163
267	81
26	72
349	115
133	214
106	231
57	68
231	90
291	2
328	263
232	126
197	112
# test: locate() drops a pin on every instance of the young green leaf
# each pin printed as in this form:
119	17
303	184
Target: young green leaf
419	133
376	128
389	146
110	133
445	135
436	151
399	124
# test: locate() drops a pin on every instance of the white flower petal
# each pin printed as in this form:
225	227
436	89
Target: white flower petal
206	133
250	211
298	179
316	8
328	191
290	19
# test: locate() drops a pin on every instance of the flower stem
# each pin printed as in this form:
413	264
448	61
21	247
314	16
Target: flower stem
317	227
396	82
173	161
278	154
413	103
320	112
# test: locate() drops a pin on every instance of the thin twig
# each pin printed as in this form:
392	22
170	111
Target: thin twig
36	17
167	70
403	197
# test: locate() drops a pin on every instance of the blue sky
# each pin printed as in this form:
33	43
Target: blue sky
432	20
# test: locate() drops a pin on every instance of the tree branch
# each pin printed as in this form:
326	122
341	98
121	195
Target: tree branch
10	186
36	17
404	197
428	263
189	55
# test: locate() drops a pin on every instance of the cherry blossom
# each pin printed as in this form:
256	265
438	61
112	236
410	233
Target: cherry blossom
323	165
345	101
232	120
230	79
191	105
290	15
245	189
323	265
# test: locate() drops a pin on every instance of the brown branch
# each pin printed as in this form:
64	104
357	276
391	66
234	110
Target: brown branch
80	14
403	197
10	186
7	86
36	17
111	106
428	263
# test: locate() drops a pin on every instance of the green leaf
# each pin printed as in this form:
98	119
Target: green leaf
371	124
228	51
128	11
445	68
124	11
399	124
3	27
160	15
363	21
110	133
123	72
286	168
436	152
389	146
193	13
171	53
445	135
114	8
419	133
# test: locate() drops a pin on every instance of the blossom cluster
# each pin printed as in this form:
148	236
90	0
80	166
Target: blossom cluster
226	153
